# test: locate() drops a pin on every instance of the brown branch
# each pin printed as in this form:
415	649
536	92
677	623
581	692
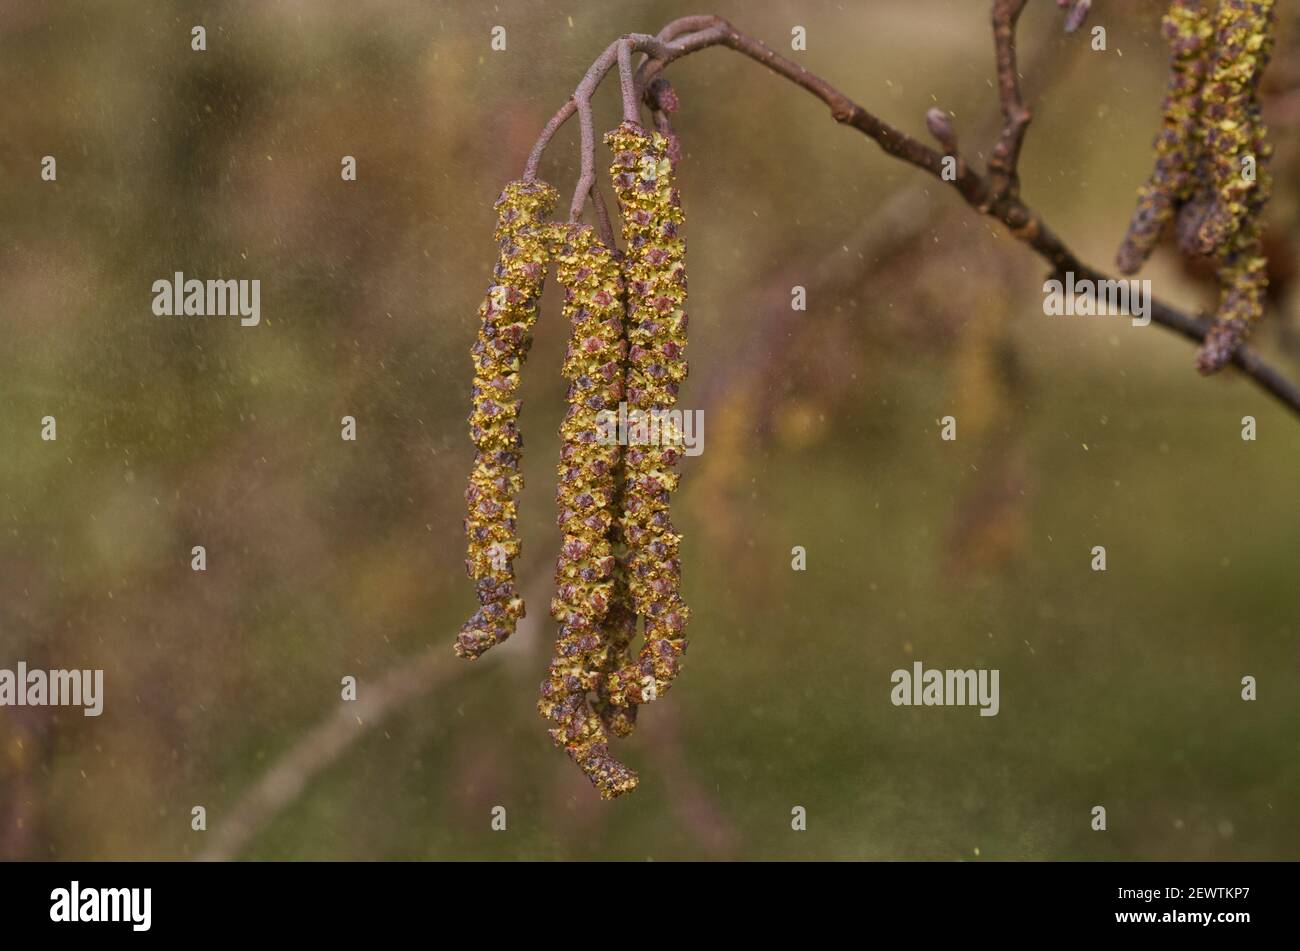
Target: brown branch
997	196
548	132
670	32
619	51
323	745
1004	162
377	700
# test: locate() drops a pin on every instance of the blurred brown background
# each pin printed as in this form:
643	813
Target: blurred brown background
328	558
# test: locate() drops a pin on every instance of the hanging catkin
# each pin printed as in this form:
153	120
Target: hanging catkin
1188	28
620	627
618	567
656	292
1211	173
618	564
594	367
508	315
1237	139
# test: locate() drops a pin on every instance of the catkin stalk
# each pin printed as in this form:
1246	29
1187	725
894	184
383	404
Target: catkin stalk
593	364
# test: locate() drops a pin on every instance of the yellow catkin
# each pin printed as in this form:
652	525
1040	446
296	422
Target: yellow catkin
586	495
655	271
507	318
620	629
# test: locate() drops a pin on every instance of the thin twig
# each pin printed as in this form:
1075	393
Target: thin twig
587	181
1004	162
548	132
627	84
412	679
996	196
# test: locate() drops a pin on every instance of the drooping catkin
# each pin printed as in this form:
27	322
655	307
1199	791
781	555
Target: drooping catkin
656	292
508	316
1230	113
1242	271
1212	153
1187	27
620	626
594	366
1233	224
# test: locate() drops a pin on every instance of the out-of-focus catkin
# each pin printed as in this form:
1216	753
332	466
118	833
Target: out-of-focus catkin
1188	28
1230	114
1212	153
620	629
1242	271
508	315
656	293
594	366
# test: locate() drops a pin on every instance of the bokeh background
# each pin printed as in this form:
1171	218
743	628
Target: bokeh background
328	558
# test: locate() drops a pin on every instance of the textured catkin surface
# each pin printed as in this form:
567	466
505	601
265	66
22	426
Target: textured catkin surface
586	495
1242	31
656	293
508	316
1188	29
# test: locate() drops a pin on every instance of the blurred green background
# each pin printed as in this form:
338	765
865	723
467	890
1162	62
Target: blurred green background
328	558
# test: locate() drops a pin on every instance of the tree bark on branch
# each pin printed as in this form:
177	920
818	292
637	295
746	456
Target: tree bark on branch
996	194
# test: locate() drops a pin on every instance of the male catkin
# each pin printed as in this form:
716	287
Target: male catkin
657	322
594	367
1188	29
1232	229
505	335
1211	169
1230	113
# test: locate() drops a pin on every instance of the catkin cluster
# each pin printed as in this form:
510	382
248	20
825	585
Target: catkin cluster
1211	169
505	335
618	565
